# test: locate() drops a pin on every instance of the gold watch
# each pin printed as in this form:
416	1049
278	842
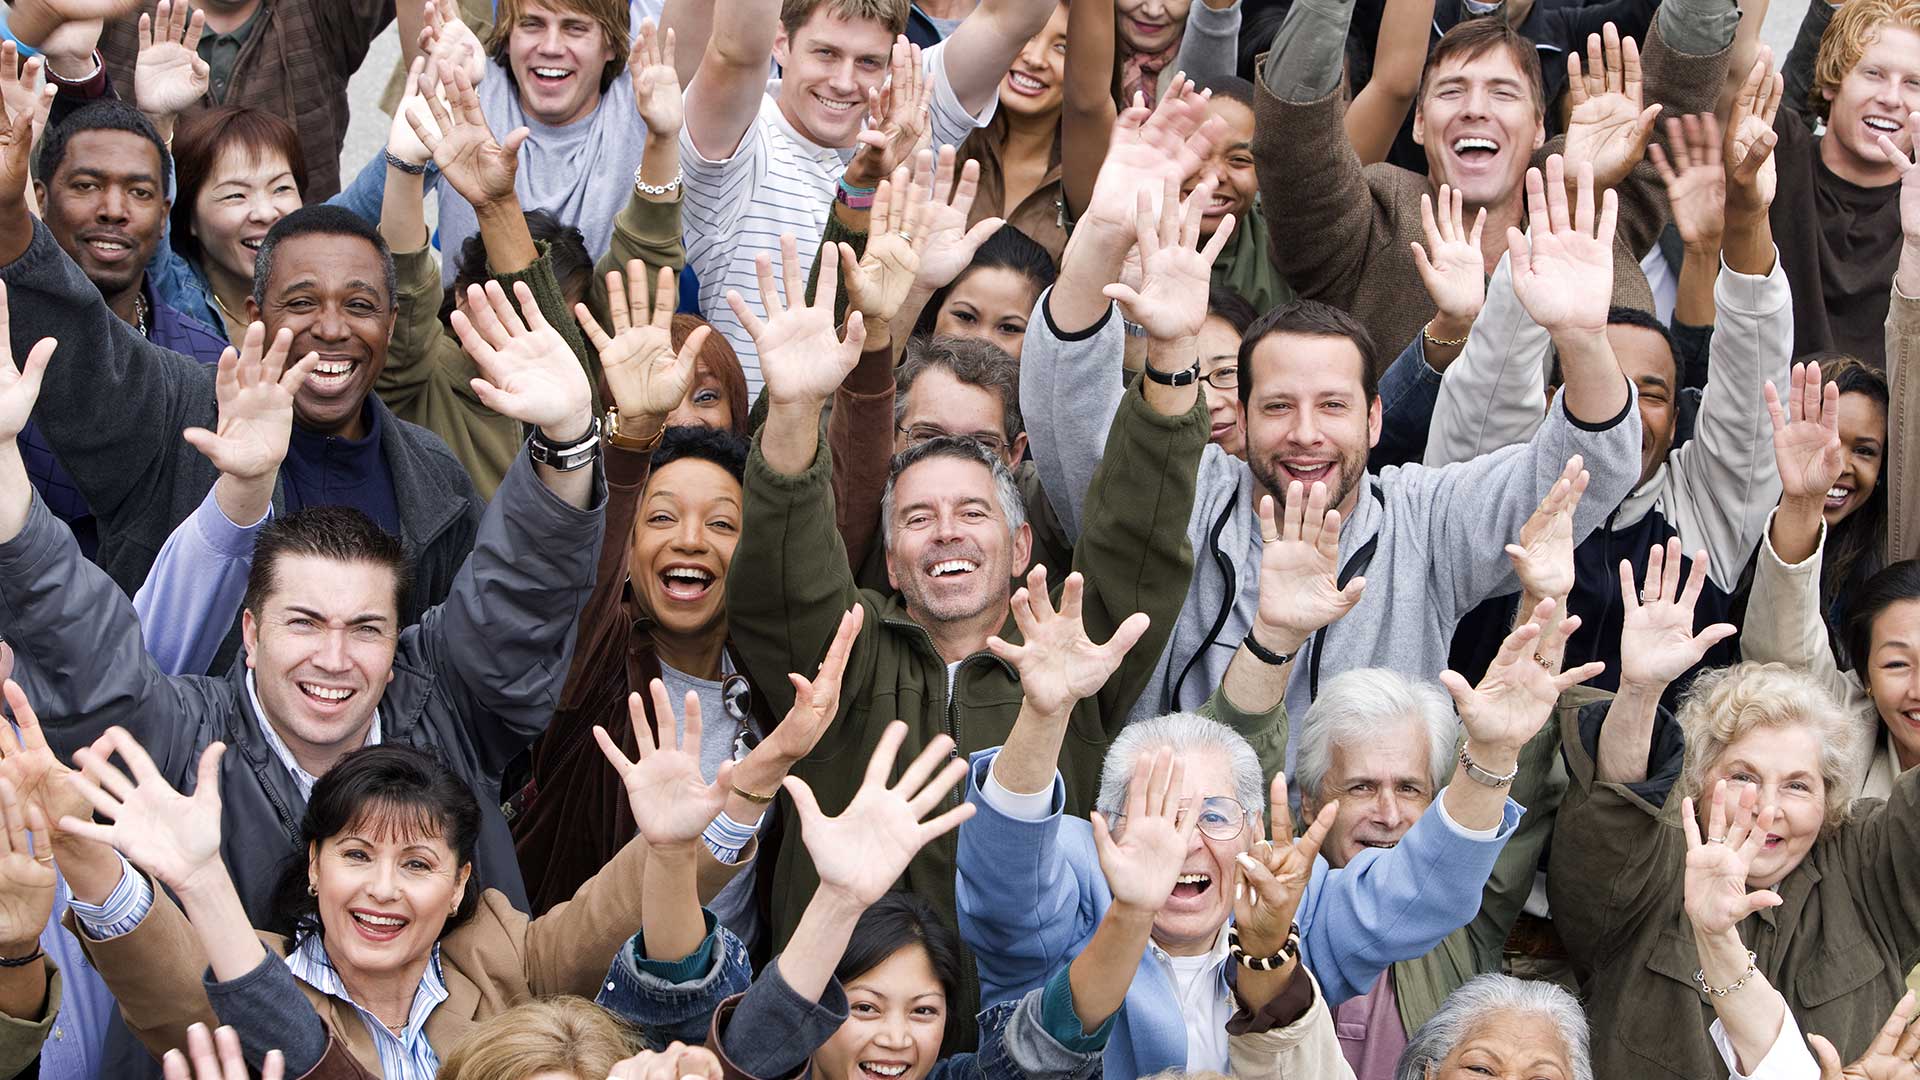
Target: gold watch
628	441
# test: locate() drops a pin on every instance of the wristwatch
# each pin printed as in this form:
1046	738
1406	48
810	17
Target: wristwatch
1174	378
566	457
627	440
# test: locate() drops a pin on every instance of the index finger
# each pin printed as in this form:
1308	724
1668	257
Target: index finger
1279	817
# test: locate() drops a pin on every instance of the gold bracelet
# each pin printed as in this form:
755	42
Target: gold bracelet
753	796
1427	332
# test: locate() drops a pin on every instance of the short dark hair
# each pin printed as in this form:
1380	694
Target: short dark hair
385	787
1236	310
1308	318
722	448
202	136
971	361
566	253
1007	249
901	920
321	220
107	114
1472	38
1231	87
1898	582
340	533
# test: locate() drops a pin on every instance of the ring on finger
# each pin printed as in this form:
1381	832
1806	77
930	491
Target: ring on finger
1716	839
1649	596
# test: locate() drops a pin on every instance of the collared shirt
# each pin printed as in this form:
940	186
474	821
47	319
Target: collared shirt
403	1056
73	1048
222	51
301	777
1206	1001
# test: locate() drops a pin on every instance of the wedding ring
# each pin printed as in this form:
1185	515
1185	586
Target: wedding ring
1716	839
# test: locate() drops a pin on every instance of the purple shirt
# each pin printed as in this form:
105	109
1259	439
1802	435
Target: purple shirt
1371	1034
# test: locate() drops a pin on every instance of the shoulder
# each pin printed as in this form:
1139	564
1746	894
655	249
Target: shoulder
423	449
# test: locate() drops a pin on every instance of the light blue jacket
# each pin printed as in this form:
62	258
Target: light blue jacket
1031	893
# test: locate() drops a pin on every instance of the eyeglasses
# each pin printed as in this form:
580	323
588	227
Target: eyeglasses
1221	817
920	433
1226	378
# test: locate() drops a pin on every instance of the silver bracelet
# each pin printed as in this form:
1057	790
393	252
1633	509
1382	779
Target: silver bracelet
1481	776
1700	976
667	188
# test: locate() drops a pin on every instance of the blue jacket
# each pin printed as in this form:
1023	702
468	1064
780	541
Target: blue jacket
1031	893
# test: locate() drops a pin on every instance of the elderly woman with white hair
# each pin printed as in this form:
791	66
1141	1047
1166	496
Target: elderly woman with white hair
1497	1025
1842	922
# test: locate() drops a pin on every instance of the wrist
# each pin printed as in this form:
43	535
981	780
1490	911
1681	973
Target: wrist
837	904
1498	758
677	854
1803	509
570	430
19	950
1279	639
1127	915
1172	355
1451	326
1705	246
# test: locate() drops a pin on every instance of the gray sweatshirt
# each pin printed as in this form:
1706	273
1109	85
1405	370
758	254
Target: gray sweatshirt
1436	534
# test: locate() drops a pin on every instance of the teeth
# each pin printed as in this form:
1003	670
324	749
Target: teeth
689	573
1026	82
552	73
1881	124
326	693
1193	879
339	367
1471	143
836	106
108	245
883	1070
251	245
1838	493
953	566
382	921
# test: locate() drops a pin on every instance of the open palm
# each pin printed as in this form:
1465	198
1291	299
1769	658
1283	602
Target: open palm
1057	663
644	374
1716	896
172	836
31	766
656	86
816	701
528	371
481	169
1299	561
1657	642
255	391
671	802
1175	275
1695	180
1517	694
169	76
1451	265
802	358
865	849
1806	434
26	882
1563	264
1752	175
1149	150
1142	864
1890	1056
1543	559
1608	128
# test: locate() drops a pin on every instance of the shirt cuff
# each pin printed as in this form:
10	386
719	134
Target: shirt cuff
726	838
124	909
1787	1059
1283	1011
1461	830
1035	807
687	969
1058	1017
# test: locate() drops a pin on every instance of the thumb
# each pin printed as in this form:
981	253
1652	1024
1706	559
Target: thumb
1763	899
1102	837
1121	294
207	782
1350	595
204	441
1828	1057
804	803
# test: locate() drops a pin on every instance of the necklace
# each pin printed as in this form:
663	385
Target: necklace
232	319
140	313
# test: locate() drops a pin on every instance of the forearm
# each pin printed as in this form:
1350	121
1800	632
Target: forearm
220	921
1472	804
503	229
1795	532
1699	269
1752	1014
1026	764
403	216
1595	391
1252	684
691	23
1171	357
1091	262
669	898
244	500
1626	736
1310	51
23	989
1256	988
660	164
1376	113
1104	970
1748	245
818	942
791	436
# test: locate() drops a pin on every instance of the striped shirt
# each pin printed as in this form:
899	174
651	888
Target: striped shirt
123	910
406	1056
777	182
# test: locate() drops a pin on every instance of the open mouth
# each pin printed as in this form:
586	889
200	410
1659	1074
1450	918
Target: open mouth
328	696
549	76
253	243
1383	845
377	926
1772	842
331	376
108	248
1475	149
1308	472
952	568
884	1068
836	106
686	582
1188	886
1881	124
1025	85
1837	496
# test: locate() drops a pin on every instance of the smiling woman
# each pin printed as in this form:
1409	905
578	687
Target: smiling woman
1501	1026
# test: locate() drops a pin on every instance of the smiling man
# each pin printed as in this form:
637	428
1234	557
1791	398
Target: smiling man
324	275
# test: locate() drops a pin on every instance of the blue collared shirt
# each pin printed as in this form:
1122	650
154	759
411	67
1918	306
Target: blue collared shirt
403	1056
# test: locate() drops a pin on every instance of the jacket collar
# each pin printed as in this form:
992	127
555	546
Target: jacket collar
428	506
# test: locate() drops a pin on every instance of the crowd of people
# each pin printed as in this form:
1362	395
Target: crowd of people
851	538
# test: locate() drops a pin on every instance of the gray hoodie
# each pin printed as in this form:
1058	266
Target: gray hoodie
1436	535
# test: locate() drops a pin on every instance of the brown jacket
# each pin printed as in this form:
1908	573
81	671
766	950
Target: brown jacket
1039	214
1339	231
496	960
295	65
1838	947
1903	427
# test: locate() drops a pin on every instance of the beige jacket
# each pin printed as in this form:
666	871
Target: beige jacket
1303	1050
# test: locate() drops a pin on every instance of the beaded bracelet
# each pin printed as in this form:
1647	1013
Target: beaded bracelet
1264	963
404	165
1700	976
667	188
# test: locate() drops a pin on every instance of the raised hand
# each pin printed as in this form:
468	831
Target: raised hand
656	86
802	358
1142	863
1563	265
1607	129
816	702
898	116
1057	663
1270	880
671	803
1299	564
1149	150
21	89
676	1062
1657	642
174	837
1696	181
645	376
19	387
1752	177
16	129
527	370
1716	896
863	851
1903	164
1890	1056
1516	695
1171	301
879	280
1451	266
413	117
1543	559
31	766
31	21
447	41
479	168
169	77
254	389
947	245
26	873
217	1057
1806	435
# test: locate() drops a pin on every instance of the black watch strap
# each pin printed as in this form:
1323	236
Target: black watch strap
1174	378
1265	655
565	457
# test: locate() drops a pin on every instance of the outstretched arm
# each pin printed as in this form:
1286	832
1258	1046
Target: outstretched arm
982	48
1903	354
1657	646
1399	56
723	94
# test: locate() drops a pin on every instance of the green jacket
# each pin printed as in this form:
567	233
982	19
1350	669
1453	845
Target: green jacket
789	582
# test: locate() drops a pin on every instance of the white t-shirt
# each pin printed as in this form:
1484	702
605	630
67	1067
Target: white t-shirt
777	182
1205	1002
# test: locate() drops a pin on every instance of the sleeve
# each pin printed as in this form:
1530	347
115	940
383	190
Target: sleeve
1039	1036
347	30
1396	903
420	359
1211	44
79	657
1784	626
1266	732
860	431
21	1038
1903	428
338	1063
645	230
1475	507
115	446
770	1031
122	912
1684	64
571	948
788	585
364	193
267	1010
1538	789
1307	1047
1494	393
499	645
1798	67
1025	908
1133	552
1070	391
155	974
1787	1059
675	1002
714	194
602	616
1724	480
192	596
1408	392
950	121
1883	855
